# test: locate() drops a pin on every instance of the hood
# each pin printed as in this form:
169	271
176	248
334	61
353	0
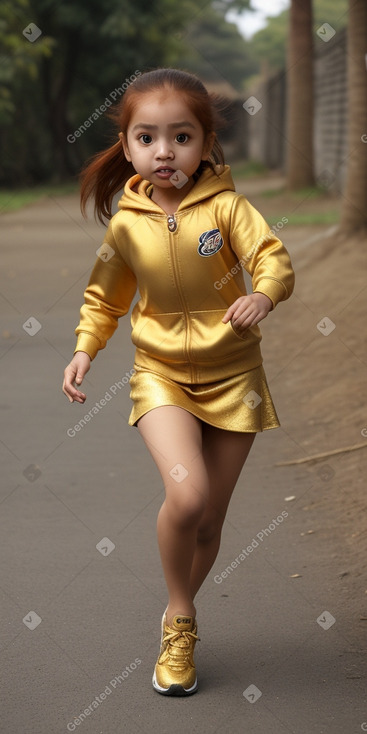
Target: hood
137	189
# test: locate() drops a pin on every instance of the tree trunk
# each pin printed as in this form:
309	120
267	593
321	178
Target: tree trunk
300	96
354	205
56	93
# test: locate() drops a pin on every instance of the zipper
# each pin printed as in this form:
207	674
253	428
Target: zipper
172	227
171	223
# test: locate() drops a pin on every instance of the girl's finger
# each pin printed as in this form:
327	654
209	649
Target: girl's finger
231	310
72	392
246	318
228	315
79	397
242	313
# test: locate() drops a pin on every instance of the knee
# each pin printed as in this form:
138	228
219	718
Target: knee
185	509
210	527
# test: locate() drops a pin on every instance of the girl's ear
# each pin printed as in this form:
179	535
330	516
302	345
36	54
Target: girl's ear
208	146
125	147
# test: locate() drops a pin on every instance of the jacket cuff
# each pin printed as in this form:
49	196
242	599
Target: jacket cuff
274	289
87	343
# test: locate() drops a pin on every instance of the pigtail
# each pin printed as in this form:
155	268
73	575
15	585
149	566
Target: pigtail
220	107
102	178
217	156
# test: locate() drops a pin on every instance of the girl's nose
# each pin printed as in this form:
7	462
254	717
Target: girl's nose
164	149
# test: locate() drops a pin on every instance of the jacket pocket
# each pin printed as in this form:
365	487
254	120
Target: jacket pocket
161	335
212	340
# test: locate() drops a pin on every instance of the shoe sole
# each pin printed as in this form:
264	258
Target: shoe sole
175	689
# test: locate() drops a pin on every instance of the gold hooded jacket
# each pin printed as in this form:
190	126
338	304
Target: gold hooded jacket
188	269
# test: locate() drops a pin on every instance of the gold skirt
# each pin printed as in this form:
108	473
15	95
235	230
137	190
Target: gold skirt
241	403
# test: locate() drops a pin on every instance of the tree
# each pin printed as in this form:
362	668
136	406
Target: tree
354	208
300	96
270	43
20	61
18	56
92	49
215	50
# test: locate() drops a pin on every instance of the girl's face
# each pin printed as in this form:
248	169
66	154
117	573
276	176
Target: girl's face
165	139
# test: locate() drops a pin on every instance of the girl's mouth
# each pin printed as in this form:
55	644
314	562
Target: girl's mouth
164	172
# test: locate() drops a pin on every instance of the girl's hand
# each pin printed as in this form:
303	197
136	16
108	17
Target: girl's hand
247	311
75	372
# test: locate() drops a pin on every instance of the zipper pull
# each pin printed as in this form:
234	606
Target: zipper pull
171	223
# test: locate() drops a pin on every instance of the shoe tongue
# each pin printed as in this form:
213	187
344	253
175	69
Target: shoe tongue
183	623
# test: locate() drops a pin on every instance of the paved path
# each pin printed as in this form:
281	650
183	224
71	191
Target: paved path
81	587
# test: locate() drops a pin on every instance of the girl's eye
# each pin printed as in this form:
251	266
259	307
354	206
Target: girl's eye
182	138
146	139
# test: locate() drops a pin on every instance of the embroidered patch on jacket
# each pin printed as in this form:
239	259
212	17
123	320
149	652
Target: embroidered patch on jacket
210	242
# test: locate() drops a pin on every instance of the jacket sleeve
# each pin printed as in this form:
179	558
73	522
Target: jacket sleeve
260	252
110	291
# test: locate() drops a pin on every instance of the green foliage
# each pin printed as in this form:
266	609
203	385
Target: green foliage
19	58
224	6
269	45
49	87
11	200
248	169
215	50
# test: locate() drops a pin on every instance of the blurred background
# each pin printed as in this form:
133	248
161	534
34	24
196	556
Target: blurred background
61	61
63	65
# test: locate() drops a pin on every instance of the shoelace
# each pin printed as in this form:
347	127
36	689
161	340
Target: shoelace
178	653
172	637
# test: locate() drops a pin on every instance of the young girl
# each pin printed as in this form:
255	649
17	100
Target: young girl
199	391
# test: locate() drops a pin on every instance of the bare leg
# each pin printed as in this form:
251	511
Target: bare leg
198	492
174	437
225	453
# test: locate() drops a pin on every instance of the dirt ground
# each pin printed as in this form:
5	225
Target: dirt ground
324	379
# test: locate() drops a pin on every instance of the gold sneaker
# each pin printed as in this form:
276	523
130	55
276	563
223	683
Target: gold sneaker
174	673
